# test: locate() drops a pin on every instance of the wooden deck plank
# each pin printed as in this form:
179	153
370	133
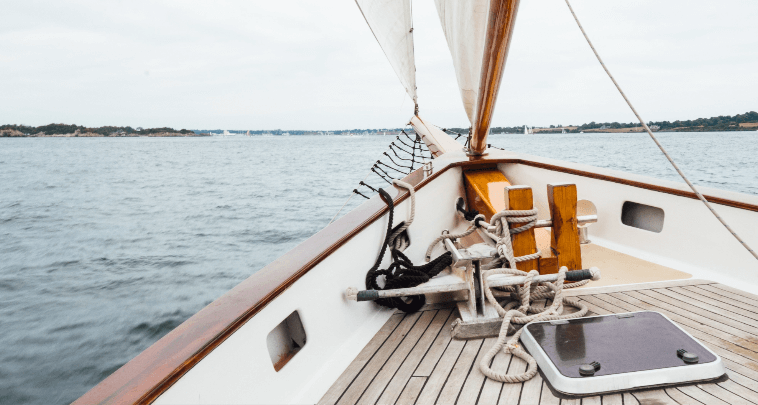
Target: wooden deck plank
741	337
411	391
441	372
475	381
693	391
443	319
491	388
690	326
612	399
435	352
530	393
737	291
657	397
511	392
343	382
630	399
732	386
678	397
740	379
707	312
715	302
720	295
547	397
731	296
744	372
572	292
724	394
414	360
592	400
364	378
707	304
385	372
461	370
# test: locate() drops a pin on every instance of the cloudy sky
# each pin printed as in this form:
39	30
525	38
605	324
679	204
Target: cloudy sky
289	64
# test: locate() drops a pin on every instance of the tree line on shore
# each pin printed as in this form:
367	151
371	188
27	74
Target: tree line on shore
63	129
713	124
720	123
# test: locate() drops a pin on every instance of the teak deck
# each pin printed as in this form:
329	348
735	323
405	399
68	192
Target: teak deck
413	360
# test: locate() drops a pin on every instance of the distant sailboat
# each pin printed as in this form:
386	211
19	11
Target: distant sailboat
226	133
563	130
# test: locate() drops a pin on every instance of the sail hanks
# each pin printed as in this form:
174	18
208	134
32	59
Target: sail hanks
464	24
392	25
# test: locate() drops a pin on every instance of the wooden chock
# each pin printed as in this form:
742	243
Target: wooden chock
524	243
565	234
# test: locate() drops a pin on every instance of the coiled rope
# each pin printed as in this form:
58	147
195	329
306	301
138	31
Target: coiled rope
649	132
517	311
401	273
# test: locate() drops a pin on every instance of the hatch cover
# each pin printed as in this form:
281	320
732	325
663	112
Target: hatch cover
618	352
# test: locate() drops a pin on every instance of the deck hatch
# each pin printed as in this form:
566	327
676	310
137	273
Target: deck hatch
286	340
639	350
642	216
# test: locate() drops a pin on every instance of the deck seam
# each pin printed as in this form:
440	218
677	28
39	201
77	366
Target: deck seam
367	362
468	373
442	387
388	357
687	327
406	358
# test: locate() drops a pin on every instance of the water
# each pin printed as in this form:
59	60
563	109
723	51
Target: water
108	244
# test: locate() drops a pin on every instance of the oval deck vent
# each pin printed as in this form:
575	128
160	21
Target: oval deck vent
285	340
642	216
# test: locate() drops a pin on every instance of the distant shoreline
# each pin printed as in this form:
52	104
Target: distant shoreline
94	135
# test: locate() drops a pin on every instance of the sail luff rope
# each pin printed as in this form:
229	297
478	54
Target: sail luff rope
686	180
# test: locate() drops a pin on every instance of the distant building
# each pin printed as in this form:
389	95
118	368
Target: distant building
654	127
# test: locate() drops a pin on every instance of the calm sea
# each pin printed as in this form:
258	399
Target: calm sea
108	244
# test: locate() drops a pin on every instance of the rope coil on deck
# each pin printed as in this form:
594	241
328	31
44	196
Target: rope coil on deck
401	273
517	312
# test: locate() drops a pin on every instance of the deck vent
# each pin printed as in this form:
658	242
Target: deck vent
285	340
642	216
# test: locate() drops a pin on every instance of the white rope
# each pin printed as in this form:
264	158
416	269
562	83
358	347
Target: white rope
686	180
526	295
397	243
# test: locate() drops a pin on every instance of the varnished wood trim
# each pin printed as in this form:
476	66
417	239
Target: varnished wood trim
499	31
153	371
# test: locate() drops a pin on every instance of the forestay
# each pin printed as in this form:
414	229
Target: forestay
464	24
392	25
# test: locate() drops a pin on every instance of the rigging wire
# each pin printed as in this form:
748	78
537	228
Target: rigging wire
649	132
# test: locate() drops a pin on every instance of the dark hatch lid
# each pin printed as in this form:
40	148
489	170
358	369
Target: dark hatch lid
621	343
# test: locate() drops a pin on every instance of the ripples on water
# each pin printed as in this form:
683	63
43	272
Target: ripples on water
108	244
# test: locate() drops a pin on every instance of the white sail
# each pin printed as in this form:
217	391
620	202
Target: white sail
392	25
464	24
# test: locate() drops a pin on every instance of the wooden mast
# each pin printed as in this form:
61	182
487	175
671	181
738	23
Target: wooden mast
500	24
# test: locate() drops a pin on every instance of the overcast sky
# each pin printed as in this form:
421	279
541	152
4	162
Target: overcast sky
289	64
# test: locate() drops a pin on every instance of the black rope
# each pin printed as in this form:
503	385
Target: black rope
401	141
386	165
359	193
373	169
469	215
395	163
402	273
399	148
371	188
382	170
